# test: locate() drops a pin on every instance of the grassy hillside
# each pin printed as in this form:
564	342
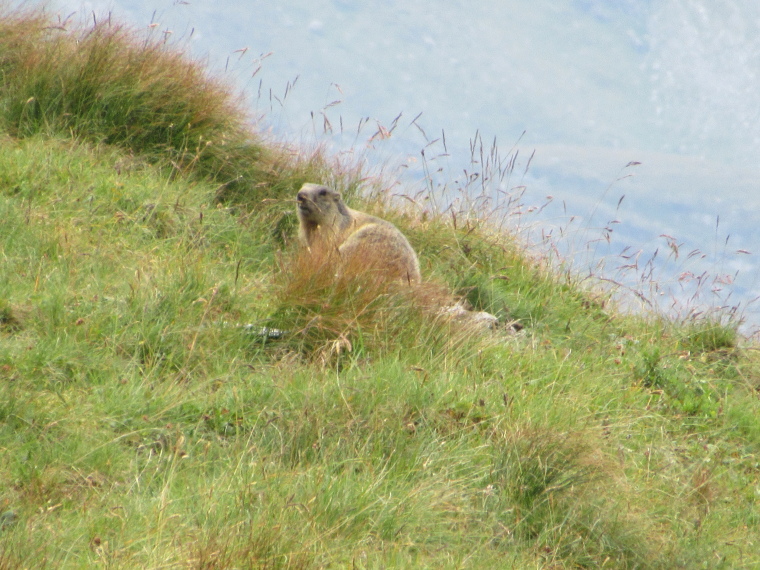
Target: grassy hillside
141	426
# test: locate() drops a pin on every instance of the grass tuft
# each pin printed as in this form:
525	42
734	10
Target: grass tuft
105	83
332	309
708	336
545	489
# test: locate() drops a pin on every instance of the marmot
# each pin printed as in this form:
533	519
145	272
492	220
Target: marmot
363	242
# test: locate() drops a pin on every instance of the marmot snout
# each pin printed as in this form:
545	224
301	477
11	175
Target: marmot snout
308	208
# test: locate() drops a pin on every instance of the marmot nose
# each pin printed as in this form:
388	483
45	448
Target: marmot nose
300	197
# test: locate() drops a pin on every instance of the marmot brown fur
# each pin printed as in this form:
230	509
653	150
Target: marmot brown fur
361	240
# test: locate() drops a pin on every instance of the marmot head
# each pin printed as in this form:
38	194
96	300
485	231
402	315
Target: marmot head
318	204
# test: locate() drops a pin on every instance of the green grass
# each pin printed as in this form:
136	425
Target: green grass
142	427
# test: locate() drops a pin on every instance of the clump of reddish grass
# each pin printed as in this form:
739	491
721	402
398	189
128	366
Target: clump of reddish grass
335	306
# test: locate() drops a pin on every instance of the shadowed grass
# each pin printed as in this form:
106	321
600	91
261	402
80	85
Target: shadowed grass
107	84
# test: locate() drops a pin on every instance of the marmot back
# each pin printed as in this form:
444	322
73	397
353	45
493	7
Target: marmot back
361	240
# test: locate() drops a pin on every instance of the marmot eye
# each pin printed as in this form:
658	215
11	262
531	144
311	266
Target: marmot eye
323	192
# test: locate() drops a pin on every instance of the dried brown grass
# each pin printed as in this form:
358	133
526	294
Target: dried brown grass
336	306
